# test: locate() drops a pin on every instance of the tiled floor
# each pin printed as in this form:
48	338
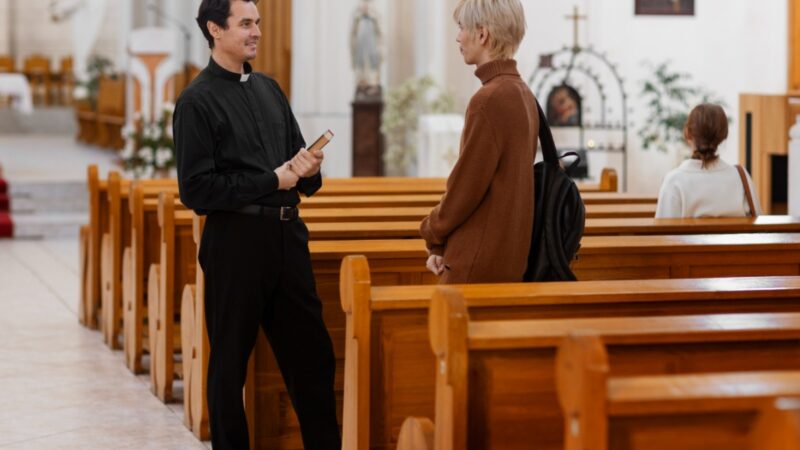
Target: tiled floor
60	386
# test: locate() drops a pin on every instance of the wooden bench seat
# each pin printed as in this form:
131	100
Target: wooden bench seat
407	185
431	200
496	383
689	411
410	230
778	427
99	224
418	213
120	236
177	267
395	262
144	250
390	371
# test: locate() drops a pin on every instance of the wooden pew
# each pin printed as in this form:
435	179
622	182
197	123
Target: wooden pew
176	268
144	250
313	215
194	342
697	411
778	427
431	200
110	113
113	243
408	185
728	402
99	224
496	388
390	373
636	226
404	261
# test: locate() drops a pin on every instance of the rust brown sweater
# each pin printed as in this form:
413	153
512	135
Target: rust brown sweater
482	226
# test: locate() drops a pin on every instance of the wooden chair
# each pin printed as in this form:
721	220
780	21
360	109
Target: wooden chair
64	81
7	64
37	69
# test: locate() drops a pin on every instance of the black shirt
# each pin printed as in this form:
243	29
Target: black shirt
231	132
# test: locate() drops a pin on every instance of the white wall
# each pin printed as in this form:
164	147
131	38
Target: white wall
5	27
35	32
729	46
323	84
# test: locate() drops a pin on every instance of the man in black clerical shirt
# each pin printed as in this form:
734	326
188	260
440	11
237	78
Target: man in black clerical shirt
242	161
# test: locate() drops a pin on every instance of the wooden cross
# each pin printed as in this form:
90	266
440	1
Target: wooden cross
575	17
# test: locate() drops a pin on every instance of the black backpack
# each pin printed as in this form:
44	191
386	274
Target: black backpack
559	215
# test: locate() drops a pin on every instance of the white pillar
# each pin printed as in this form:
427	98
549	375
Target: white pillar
5	27
794	169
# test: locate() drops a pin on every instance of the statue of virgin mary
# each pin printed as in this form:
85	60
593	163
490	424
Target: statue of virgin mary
366	50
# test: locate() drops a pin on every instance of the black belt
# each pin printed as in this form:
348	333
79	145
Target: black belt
284	213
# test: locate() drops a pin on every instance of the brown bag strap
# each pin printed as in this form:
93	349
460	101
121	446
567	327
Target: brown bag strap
747	192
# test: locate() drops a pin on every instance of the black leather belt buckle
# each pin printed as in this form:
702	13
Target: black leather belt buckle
288	213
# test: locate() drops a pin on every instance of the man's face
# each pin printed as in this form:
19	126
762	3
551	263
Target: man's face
469	45
240	40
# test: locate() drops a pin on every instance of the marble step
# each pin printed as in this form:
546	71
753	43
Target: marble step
48	226
43	120
49	197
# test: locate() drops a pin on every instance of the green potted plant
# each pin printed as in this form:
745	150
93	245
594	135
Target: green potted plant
670	96
404	106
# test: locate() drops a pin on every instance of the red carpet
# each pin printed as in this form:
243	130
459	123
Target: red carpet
6	225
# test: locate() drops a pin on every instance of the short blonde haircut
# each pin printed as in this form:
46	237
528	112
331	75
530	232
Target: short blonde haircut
504	19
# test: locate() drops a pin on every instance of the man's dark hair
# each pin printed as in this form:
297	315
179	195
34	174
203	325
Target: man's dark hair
216	11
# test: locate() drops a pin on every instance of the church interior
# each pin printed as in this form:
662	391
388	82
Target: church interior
679	333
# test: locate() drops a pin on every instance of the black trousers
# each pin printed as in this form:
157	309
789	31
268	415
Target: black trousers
258	274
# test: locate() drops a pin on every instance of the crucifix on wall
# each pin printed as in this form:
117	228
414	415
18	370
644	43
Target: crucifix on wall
575	18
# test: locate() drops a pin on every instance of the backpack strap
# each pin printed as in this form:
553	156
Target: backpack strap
747	192
546	138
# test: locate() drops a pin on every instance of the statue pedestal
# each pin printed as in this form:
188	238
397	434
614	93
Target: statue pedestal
367	138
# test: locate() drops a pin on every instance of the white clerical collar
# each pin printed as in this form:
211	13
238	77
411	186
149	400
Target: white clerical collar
245	77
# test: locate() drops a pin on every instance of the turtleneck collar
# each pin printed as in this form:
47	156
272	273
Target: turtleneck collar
223	73
496	68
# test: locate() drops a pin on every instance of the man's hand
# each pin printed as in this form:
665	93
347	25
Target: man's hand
306	164
287	179
435	264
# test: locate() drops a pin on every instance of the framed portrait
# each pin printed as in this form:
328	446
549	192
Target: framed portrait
665	7
564	107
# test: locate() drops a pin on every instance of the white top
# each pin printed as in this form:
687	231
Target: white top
716	191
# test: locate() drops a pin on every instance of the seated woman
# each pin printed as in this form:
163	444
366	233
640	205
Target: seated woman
481	229
705	186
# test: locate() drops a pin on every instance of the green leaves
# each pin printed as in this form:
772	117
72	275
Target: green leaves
669	97
404	105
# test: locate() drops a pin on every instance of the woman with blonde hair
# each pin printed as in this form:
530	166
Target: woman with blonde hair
705	185
481	229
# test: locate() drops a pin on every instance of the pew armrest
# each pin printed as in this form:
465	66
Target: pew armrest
416	434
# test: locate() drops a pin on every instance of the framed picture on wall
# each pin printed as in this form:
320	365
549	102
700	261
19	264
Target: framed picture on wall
665	7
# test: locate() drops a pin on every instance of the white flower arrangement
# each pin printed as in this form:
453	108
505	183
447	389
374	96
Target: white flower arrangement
149	147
